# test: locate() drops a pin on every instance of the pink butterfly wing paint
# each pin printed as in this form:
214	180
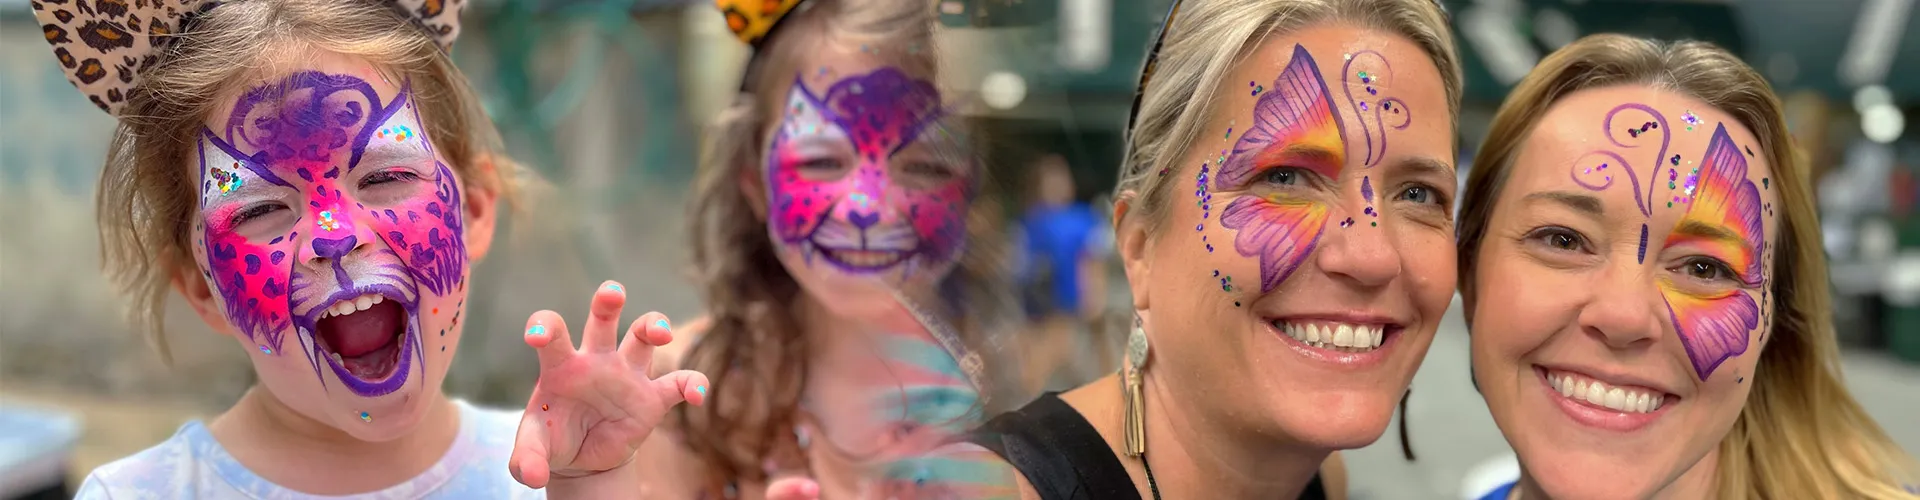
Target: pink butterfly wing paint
1716	328
1298	111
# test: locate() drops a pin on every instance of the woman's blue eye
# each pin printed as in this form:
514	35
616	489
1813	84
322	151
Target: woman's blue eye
1417	194
1281	176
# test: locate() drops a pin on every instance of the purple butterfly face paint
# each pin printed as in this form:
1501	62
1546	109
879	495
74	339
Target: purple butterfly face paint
328	217
1719	216
1294	123
855	184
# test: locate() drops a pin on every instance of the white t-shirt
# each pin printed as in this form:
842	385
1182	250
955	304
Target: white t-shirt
191	464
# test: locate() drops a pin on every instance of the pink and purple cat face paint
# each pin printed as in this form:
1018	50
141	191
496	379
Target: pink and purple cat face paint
859	179
327	217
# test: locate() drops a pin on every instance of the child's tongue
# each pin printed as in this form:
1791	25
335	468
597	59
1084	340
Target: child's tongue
363	332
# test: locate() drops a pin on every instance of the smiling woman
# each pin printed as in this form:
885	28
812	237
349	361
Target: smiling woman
1639	306
1278	215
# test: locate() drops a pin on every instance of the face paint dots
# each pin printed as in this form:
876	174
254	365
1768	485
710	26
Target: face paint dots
1766	182
1644	127
1675	160
1257	88
1690	118
226	180
326	221
1226	284
366	417
1686	189
398	133
1202	197
1346	223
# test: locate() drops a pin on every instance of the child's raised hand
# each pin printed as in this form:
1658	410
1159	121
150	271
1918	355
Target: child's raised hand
593	406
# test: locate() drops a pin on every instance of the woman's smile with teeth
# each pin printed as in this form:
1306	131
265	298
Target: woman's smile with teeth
1624	399
1345	337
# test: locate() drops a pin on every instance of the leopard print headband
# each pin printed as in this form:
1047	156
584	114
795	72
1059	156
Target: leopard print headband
103	45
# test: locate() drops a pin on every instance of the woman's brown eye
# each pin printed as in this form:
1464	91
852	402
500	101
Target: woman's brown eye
1562	242
1702	270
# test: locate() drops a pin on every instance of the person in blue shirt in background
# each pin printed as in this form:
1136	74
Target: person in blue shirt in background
1062	246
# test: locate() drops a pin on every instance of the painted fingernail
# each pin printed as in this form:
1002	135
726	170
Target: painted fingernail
662	324
613	286
700	389
537	330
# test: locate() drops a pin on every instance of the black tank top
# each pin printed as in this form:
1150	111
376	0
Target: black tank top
1064	458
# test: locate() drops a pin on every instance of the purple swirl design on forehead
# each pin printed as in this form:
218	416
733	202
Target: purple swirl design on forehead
1376	151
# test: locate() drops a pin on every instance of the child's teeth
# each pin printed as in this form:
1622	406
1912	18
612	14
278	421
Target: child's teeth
1621	399
337	359
362	303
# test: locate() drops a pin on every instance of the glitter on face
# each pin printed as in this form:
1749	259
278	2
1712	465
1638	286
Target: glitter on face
365	417
227	180
543	407
1365	78
1690	118
266	350
326	221
1644	127
397	133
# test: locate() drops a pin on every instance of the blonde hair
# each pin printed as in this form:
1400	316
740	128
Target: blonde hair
1179	98
1800	435
755	351
147	195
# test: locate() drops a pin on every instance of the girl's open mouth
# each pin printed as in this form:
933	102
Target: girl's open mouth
363	336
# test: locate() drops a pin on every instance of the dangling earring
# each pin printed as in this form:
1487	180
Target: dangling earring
1133	377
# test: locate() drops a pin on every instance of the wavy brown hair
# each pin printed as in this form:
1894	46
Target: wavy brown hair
147	195
1800	435
755	351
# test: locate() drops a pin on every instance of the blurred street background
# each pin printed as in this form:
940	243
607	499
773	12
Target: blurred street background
605	99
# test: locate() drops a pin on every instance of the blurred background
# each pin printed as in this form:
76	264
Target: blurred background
605	99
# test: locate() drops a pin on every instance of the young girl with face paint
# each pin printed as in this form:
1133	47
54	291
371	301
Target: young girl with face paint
315	178
1283	218
1643	276
838	234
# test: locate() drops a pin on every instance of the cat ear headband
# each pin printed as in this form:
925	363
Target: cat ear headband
104	45
752	20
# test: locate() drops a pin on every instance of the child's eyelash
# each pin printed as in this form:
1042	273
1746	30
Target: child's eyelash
252	212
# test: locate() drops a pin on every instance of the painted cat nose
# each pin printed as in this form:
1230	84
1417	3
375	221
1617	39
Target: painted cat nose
335	248
863	220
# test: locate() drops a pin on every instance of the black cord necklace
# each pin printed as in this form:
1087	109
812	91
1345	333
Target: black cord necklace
1151	484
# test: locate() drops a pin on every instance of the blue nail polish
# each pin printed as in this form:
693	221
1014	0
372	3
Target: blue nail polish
613	287
537	330
660	323
701	389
